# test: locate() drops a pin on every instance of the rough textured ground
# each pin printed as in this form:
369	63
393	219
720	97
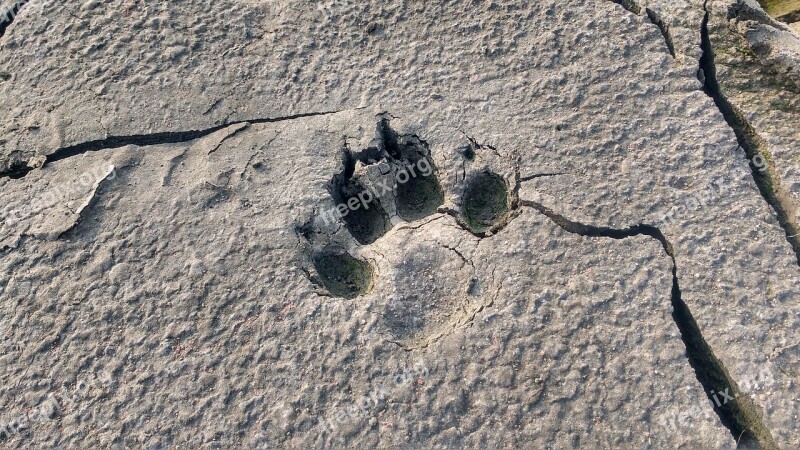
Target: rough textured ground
167	171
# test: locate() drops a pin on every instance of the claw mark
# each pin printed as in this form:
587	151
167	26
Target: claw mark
540	175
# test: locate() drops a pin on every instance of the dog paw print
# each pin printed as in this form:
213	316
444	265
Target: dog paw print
341	274
485	202
379	202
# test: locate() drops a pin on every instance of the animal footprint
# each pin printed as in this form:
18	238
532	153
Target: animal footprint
393	177
485	202
341	274
432	285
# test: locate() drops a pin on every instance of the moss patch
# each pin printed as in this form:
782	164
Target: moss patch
485	201
419	197
341	274
777	8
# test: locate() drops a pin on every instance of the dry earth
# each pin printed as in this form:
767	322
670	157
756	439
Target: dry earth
566	224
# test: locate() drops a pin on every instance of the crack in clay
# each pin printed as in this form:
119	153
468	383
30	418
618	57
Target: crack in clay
469	151
753	144
460	255
630	5
80	212
467	317
540	175
741	417
656	20
455	214
7	17
474	281
21	169
239	129
634	8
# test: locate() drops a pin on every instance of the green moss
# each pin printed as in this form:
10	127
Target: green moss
777	8
341	274
419	197
485	201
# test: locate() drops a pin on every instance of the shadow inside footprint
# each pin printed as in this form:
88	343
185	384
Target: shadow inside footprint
485	201
406	316
419	197
363	215
367	221
341	274
419	193
429	289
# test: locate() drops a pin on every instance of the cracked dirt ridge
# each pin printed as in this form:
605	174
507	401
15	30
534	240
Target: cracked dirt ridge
629	5
742	417
700	349
7	17
619	234
19	169
754	145
655	18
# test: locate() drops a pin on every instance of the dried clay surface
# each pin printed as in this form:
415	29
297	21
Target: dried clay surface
340	224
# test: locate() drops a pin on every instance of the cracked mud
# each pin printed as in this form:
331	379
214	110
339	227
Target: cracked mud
742	417
343	275
754	145
398	225
485	201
